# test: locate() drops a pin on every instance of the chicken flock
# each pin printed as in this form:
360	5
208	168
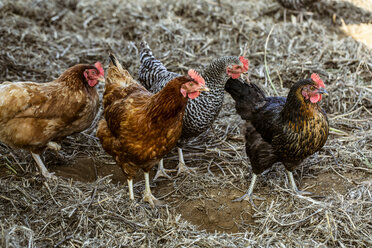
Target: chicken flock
144	119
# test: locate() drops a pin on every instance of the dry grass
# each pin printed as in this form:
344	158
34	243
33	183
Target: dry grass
40	39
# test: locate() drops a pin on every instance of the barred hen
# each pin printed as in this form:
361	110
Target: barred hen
140	127
280	129
200	113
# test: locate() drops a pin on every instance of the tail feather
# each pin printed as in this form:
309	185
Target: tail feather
116	75
247	96
152	73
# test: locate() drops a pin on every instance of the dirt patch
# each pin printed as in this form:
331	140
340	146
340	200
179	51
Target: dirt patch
216	211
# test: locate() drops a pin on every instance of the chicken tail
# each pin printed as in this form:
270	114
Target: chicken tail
115	62
116	75
247	96
152	73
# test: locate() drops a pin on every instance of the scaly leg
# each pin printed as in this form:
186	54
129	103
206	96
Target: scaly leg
181	165
147	195
130	187
161	172
293	184
44	171
249	193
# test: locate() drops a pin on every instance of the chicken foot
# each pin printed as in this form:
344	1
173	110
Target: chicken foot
181	165
44	171
249	195
161	172
293	184
147	195
53	146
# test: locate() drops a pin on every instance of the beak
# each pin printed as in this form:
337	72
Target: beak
323	91
203	88
101	78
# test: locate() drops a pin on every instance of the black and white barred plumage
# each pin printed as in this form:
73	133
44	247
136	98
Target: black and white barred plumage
296	4
201	112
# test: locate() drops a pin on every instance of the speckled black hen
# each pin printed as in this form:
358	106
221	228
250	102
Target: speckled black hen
201	112
280	129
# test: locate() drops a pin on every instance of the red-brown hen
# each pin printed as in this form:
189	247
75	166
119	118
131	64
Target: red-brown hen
140	127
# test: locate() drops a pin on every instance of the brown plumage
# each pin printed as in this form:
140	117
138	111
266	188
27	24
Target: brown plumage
280	129
35	115
140	127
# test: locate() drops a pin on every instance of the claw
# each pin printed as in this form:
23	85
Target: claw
249	196
44	171
294	187
150	198
161	172
181	165
182	168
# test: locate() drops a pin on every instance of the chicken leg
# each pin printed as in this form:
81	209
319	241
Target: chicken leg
293	184
147	195
181	165
44	171
161	172
249	193
130	188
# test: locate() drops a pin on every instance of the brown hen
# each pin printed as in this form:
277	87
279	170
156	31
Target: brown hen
33	116
140	127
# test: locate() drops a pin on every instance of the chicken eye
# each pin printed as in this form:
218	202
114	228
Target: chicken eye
94	72
191	84
312	88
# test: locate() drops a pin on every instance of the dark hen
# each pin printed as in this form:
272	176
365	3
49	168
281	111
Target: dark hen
280	129
201	112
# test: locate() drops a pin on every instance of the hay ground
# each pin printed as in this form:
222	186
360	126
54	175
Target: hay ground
89	208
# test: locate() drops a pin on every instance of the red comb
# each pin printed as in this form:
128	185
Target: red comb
194	75
245	62
315	77
98	65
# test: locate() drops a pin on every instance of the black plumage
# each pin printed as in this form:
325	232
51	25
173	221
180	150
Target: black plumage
280	129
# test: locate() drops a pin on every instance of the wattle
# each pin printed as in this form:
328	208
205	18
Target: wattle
92	83
193	95
315	98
